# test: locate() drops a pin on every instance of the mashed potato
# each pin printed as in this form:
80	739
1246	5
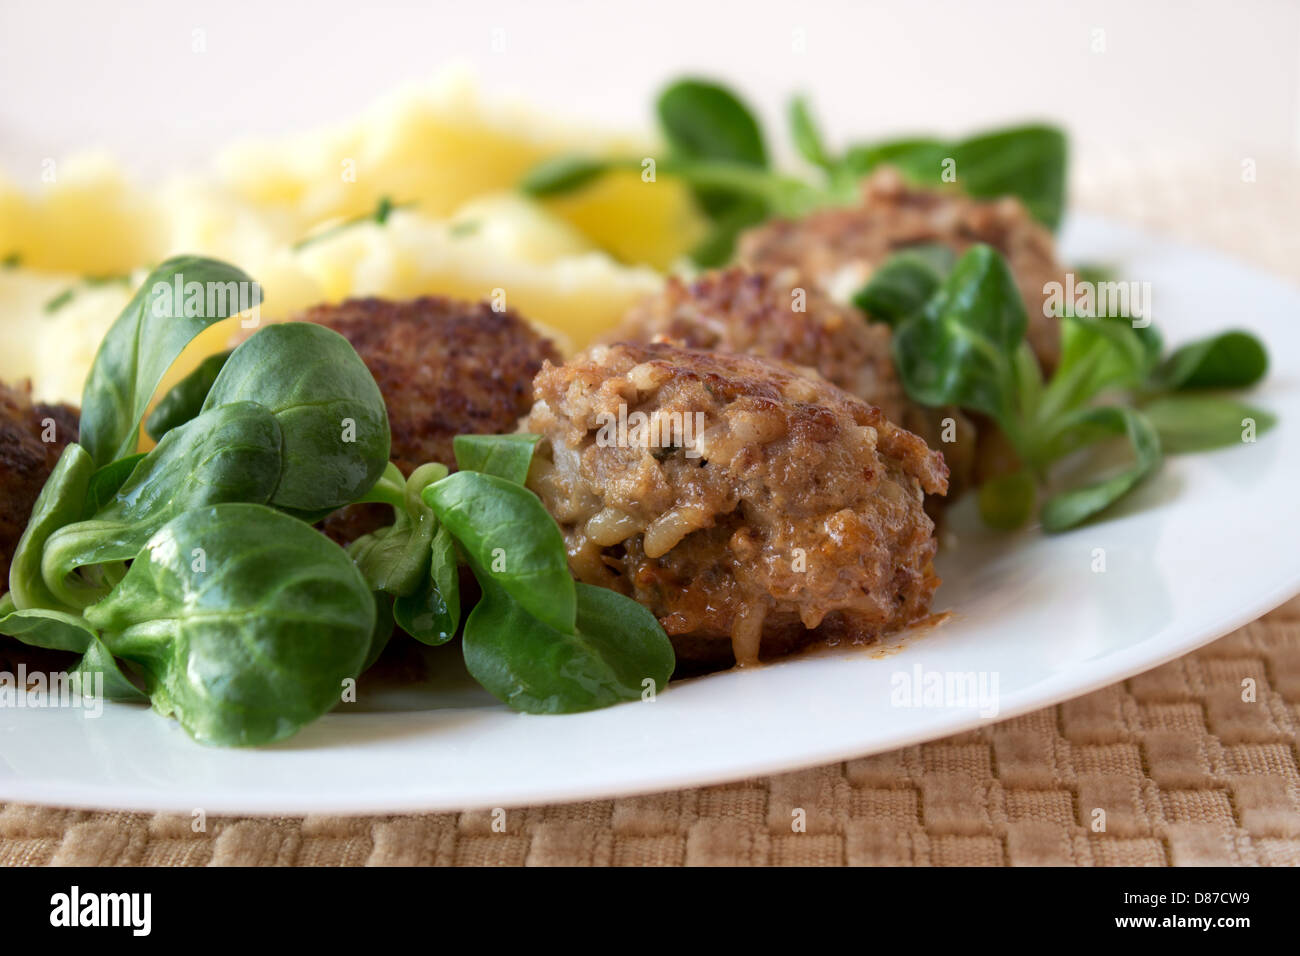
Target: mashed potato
449	159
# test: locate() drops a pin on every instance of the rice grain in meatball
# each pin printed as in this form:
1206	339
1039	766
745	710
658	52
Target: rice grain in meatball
787	511
771	315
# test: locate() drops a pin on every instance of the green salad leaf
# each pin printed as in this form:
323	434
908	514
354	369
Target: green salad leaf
426	614
1096	354
920	158
614	651
52	630
1199	422
333	421
60	502
106	481
413	561
1083	427
231	453
1028	162
506	456
965	346
58	631
382	632
141	345
904	283
806	136
716	146
705	120
245	622
1007	501
444	571
961	348
186	397
708	128
509	537
1234	359
395	558
99	669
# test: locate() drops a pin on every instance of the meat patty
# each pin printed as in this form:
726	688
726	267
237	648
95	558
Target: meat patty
26	460
837	248
770	314
762	509
445	367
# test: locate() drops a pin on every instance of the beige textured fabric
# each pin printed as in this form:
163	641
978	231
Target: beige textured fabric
1185	771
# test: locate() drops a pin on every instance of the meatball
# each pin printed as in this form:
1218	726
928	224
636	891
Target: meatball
838	248
445	368
751	507
770	314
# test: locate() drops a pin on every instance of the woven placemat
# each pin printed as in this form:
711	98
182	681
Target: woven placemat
1173	767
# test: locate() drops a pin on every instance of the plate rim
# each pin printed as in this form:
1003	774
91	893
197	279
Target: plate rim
1122	664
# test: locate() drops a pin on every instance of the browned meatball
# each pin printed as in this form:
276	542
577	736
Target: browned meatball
770	314
445	368
838	248
765	509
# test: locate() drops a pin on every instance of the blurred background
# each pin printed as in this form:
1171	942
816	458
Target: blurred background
1156	78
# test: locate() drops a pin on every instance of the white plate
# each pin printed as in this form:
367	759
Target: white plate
1207	546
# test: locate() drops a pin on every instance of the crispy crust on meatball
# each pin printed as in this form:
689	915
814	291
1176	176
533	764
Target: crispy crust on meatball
445	367
794	512
838	248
